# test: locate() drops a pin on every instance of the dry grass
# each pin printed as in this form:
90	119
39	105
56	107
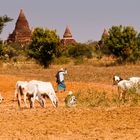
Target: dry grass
76	73
92	84
99	71
87	121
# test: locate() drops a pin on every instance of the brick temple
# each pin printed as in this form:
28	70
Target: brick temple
22	32
67	37
105	33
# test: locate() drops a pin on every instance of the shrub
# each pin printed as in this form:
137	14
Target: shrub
92	98
61	60
81	50
11	51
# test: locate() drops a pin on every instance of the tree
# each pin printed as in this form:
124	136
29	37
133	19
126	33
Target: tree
138	39
43	46
81	50
122	43
3	20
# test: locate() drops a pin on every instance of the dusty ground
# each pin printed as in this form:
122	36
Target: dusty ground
79	123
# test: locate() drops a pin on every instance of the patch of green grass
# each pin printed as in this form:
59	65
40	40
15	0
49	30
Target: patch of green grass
79	61
132	98
91	98
61	60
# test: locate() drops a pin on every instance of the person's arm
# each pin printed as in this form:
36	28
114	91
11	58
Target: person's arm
65	71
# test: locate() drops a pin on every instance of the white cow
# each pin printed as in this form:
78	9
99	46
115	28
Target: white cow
20	85
135	80
123	85
26	89
46	89
31	90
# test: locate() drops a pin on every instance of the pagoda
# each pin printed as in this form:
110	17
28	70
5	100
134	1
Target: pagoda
105	33
67	38
22	32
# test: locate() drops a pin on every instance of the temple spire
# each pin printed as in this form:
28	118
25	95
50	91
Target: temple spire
105	33
67	33
67	37
22	32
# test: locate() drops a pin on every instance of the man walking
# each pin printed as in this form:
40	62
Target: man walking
61	86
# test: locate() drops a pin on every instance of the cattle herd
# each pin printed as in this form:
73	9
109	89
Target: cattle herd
37	90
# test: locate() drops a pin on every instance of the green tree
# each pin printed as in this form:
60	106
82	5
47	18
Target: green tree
138	39
122	43
10	52
81	50
3	21
43	46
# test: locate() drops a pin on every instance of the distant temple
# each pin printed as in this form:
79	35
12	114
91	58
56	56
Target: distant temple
105	33
67	38
22	32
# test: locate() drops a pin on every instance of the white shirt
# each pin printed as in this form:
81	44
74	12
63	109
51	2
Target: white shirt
61	75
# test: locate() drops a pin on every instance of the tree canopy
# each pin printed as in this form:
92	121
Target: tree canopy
3	21
122	42
43	46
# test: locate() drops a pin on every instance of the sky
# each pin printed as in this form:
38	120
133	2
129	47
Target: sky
86	19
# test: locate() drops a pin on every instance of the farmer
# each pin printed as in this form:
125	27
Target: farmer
61	86
70	100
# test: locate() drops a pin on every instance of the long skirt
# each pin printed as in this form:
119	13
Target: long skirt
61	86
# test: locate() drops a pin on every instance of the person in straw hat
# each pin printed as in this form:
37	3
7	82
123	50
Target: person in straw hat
61	86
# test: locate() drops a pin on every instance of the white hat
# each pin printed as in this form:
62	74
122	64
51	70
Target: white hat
70	92
61	69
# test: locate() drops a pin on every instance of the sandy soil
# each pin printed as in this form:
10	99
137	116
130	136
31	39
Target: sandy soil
62	123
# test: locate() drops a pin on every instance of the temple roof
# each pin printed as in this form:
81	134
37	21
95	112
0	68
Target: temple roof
105	33
67	37
22	23
67	33
22	32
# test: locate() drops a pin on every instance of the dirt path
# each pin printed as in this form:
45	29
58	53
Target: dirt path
79	123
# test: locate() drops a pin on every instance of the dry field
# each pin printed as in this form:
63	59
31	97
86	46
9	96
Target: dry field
62	123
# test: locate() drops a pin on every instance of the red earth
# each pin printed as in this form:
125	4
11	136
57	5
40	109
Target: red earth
62	123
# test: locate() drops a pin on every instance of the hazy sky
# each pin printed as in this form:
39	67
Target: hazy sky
86	18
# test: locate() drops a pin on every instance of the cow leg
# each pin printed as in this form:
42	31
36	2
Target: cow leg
33	100
19	100
31	105
119	93
44	102
25	100
15	94
41	100
123	96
